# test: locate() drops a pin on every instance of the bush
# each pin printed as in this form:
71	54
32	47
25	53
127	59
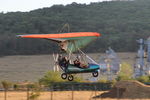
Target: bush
144	79
35	91
50	77
34	95
15	86
123	77
55	77
103	81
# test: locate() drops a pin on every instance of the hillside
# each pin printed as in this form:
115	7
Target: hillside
119	22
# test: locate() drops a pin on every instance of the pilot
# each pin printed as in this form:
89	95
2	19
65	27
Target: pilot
64	62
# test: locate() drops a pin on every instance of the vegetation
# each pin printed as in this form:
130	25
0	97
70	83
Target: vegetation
35	91
119	22
15	86
34	95
50	77
6	85
54	77
125	73
144	79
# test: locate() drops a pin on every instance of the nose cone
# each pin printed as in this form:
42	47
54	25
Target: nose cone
94	66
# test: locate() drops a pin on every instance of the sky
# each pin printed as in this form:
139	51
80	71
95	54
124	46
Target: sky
27	5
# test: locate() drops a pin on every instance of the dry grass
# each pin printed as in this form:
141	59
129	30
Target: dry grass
59	95
32	67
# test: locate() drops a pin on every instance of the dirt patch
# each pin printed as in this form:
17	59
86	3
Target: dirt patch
128	89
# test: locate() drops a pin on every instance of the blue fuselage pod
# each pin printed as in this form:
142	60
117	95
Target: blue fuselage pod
74	69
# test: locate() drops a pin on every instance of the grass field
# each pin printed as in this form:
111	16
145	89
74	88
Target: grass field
32	67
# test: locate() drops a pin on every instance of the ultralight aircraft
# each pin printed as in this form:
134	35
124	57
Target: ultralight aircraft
70	43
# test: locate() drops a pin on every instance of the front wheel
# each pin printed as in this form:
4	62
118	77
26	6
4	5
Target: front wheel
95	74
70	78
64	76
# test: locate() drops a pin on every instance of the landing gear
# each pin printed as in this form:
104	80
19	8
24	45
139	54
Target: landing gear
64	76
95	74
70	78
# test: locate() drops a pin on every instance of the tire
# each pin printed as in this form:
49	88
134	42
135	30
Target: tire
64	76
70	78
95	74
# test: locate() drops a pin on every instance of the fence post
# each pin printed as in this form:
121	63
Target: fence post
51	92
28	93
72	92
117	93
5	94
95	91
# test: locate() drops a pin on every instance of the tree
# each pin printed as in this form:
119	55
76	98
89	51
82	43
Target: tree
120	23
125	72
6	85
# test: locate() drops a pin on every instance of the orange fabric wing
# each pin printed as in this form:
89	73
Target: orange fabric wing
63	35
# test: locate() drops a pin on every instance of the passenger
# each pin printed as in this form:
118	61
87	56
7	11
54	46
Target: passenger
83	65
77	63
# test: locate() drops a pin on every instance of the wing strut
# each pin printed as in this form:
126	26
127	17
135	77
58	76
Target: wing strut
90	60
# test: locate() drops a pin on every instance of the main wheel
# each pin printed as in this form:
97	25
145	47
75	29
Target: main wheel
64	76
95	74
70	78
